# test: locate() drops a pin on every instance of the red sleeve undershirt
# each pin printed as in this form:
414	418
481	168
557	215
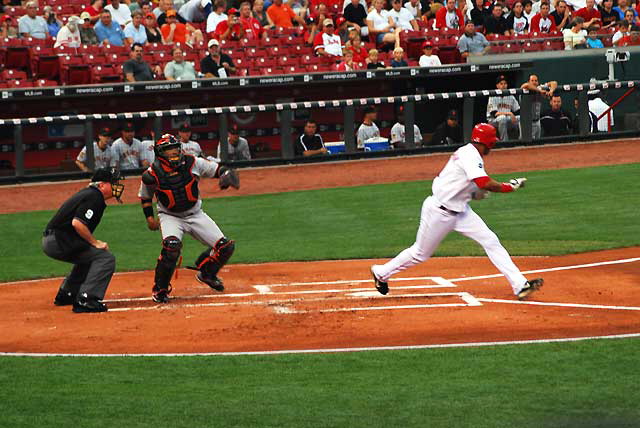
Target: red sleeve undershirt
482	182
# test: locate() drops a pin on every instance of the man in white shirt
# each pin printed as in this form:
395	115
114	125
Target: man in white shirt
368	129
427	59
189	147
119	12
327	43
127	150
69	35
398	139
462	179
217	16
415	7
194	11
402	18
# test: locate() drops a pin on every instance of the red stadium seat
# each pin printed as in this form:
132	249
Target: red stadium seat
46	67
16	84
66	50
287	61
45	83
13	75
512	48
532	47
90	50
265	62
18	57
105	74
242	72
243	62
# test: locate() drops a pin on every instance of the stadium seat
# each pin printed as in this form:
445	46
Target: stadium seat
46	67
242	72
265	62
511	48
45	83
13	75
105	74
18	57
90	50
286	61
243	62
17	84
66	50
532	47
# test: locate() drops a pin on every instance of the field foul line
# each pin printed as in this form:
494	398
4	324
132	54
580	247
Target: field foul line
567	305
338	350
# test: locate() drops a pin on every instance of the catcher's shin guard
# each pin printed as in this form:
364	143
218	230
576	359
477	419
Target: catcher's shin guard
167	261
211	261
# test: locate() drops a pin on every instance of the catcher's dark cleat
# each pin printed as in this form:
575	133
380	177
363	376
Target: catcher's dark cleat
215	282
86	304
530	287
161	295
64	298
381	286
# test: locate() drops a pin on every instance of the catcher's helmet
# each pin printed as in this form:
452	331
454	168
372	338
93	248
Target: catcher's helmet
484	133
168	142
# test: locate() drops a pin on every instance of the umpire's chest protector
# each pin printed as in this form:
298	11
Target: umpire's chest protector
177	189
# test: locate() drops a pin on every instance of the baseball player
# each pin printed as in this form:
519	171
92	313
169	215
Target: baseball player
147	151
189	147
127	149
462	178
173	179
102	154
503	111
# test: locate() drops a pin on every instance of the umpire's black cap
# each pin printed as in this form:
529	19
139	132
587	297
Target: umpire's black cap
108	175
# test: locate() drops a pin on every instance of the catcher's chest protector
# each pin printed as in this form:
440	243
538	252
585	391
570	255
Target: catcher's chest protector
177	189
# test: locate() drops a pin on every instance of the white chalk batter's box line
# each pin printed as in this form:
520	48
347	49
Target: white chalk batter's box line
438	281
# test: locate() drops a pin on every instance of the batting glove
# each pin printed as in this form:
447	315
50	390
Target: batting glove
517	183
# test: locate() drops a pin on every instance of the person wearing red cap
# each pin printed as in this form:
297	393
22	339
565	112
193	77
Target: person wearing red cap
428	59
232	28
8	29
463	178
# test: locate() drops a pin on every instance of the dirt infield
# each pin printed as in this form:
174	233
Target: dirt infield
354	173
332	304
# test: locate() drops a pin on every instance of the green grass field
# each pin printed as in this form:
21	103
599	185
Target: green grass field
582	384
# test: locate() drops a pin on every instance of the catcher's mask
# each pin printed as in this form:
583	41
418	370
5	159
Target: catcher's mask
112	176
165	143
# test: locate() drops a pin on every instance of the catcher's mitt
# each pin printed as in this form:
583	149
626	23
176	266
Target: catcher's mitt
228	177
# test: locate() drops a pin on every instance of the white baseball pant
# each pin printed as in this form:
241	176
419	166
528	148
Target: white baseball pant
435	225
199	225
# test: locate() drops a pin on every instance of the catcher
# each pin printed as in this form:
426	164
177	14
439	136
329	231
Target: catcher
173	178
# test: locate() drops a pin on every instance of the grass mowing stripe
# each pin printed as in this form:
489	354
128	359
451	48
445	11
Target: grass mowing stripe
559	212
582	384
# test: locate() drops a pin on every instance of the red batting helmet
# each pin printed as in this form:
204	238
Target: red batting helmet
484	133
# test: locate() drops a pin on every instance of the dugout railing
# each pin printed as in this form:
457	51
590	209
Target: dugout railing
471	104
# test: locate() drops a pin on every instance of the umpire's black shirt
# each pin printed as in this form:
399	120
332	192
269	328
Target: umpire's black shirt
87	205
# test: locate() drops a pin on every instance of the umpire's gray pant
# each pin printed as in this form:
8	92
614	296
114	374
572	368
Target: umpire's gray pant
92	270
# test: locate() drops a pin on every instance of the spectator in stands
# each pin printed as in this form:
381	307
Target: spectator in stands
398	137
310	143
120	13
179	69
360	53
398	58
347	63
238	147
146	8
368	129
590	14
7	30
575	37
503	110
402	18
163	7
262	16
528	11
622	37
94	9
631	19
69	35
299	7
592	40
88	35
252	28
622	8
517	23
127	149
543	22
154	35
231	28
167	5
31	25
428	59
282	15
415	7
472	43
212	63
134	31
449	16
372	60
609	16
381	25
342	31
108	31
102	154
327	43
195	10
53	23
562	16
135	69
448	132
496	23
479	13
555	121
356	14
216	17
189	146
177	32
540	94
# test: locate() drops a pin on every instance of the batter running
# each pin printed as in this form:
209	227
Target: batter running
462	179
173	179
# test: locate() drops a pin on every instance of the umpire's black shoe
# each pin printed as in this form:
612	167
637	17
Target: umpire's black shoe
381	286
215	282
86	304
64	298
530	287
161	295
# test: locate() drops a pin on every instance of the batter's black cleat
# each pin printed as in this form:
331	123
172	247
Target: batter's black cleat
64	298
530	287
215	283
160	295
381	286
86	304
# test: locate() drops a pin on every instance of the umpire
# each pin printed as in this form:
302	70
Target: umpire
69	238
